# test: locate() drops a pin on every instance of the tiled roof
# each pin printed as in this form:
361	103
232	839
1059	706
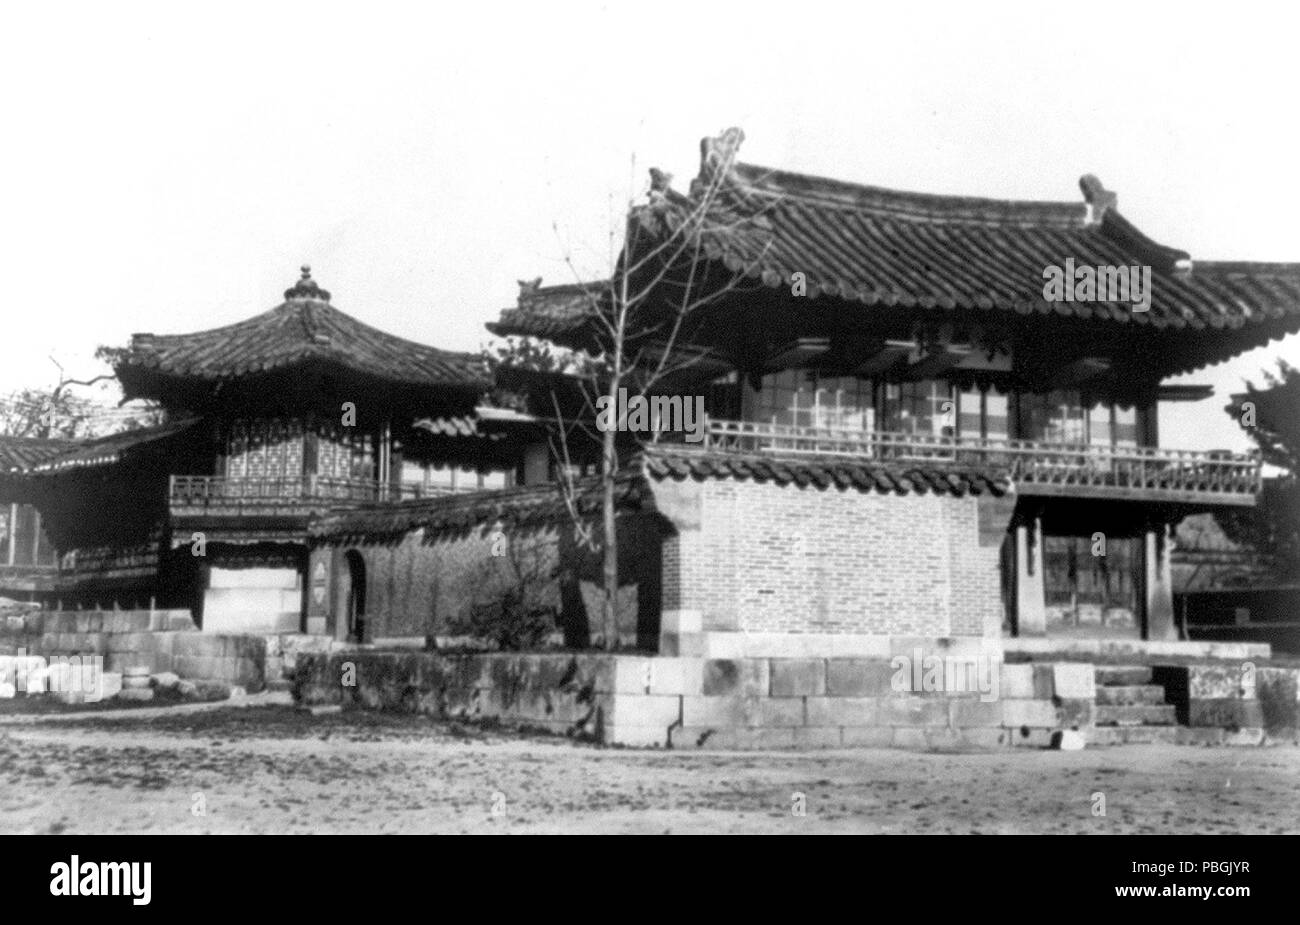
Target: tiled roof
551	312
17	454
681	462
306	327
879	247
101	451
518	507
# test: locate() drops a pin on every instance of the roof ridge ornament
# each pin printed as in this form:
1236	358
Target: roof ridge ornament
306	289
1099	199
717	156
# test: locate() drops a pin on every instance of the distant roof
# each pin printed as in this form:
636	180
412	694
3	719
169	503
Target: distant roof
17	454
30	455
881	247
550	312
305	327
99	451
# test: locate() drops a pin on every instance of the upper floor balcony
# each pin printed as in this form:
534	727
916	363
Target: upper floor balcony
221	496
1035	467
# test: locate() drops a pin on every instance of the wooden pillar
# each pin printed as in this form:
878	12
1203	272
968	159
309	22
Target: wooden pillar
36	536
1031	596
1157	583
13	531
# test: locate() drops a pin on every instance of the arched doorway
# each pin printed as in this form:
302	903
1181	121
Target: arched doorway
356	597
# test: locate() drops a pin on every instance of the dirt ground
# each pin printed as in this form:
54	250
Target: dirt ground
266	768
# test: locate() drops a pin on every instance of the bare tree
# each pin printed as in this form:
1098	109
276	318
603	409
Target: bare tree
640	321
60	412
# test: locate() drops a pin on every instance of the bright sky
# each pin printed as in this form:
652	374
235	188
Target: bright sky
167	169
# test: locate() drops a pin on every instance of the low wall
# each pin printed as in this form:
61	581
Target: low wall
160	640
1246	698
712	703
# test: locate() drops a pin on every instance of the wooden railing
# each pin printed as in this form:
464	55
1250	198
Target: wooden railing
214	491
1029	463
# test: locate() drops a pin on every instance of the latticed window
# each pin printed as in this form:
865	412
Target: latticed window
807	398
1062	417
927	408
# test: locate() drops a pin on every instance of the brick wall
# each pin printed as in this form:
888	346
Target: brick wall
763	558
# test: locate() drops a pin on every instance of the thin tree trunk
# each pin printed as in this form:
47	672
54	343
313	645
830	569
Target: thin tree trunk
610	542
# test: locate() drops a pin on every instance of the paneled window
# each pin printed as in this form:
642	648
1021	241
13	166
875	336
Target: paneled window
970	417
441	477
1126	431
1057	418
1100	430
997	415
1061	417
805	398
920	408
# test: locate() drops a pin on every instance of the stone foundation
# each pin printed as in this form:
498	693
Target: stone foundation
712	703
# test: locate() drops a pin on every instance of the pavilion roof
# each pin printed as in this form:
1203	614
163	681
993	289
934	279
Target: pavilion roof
305	328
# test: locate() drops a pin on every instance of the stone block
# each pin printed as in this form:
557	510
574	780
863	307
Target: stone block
734	737
637	736
732	711
867	736
136	694
1031	713
856	677
1068	740
914	711
780	711
1074	681
1074	713
743	677
1221	682
1248	737
200	645
676	676
965	713
987	737
817	737
110	685
843	711
60	621
797	677
1278	692
1030	737
927	738
645	710
1229	713
195	667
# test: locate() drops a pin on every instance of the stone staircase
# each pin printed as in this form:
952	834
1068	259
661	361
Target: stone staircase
1131	708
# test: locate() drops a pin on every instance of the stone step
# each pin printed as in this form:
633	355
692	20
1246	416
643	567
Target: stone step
1123	695
1136	715
1122	675
1133	735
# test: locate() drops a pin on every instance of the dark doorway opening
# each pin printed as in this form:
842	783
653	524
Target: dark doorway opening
356	602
